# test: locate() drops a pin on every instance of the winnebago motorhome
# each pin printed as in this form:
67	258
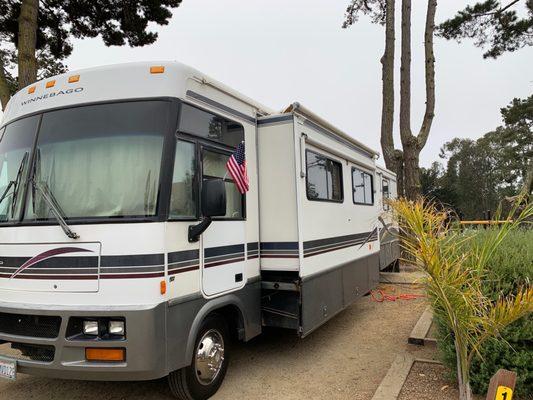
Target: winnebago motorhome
127	251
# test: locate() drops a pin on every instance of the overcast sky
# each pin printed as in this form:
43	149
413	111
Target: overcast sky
278	52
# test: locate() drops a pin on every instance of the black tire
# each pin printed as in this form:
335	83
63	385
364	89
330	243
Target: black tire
184	383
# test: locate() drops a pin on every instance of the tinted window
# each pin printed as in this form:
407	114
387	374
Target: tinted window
209	126
363	187
324	178
214	167
182	198
15	147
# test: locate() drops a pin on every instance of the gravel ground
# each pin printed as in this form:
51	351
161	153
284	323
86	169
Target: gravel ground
428	382
345	359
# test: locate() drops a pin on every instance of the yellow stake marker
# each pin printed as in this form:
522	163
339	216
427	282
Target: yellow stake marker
504	393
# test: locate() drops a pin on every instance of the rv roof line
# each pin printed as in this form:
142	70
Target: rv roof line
260	108
297	107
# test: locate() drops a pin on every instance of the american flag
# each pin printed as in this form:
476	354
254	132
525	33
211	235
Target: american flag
236	166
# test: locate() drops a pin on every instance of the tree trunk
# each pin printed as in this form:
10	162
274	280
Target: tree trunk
387	75
463	379
399	170
412	145
27	40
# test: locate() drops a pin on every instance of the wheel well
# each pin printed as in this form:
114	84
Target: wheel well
234	319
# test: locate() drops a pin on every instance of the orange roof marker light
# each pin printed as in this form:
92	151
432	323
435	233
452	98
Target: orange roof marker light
157	69
73	78
31	89
105	354
50	84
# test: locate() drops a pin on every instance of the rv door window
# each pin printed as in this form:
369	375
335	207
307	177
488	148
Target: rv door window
214	167
324	178
363	187
182	198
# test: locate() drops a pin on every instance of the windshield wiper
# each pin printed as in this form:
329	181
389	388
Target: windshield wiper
15	183
52	202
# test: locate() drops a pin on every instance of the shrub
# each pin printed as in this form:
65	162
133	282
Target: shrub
510	267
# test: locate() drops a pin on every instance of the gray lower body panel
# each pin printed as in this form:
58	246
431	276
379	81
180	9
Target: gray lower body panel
307	303
158	340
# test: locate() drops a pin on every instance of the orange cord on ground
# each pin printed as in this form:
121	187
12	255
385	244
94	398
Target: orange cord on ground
380	295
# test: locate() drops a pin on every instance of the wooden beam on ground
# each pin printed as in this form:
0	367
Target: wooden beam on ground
391	386
421	329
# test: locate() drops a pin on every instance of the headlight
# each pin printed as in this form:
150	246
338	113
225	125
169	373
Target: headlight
90	328
116	328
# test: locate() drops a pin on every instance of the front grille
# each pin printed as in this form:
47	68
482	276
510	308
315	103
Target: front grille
27	352
39	326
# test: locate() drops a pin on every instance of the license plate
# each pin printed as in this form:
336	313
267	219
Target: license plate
8	369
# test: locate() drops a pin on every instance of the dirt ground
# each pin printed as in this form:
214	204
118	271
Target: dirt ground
345	359
429	382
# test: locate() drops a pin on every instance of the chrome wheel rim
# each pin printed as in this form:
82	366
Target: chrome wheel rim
209	357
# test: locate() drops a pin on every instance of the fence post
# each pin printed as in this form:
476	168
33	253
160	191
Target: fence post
502	385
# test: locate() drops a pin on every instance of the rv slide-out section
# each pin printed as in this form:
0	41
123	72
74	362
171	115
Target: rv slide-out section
319	214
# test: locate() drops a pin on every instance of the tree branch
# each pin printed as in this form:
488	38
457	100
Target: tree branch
512	3
430	74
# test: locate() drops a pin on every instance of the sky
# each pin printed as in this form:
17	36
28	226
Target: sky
278	52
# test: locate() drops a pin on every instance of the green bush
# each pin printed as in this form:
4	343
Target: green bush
510	267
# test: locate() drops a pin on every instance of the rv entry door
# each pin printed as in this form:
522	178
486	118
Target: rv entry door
223	243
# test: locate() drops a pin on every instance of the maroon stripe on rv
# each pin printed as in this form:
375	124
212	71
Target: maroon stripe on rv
278	256
335	248
180	270
216	264
53	277
132	276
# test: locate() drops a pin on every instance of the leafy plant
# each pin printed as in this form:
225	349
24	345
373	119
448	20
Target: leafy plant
454	279
510	268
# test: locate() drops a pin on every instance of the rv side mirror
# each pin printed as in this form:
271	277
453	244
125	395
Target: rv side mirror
213	198
213	205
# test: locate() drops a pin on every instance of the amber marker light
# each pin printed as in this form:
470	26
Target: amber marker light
105	355
157	69
73	78
31	89
163	287
50	84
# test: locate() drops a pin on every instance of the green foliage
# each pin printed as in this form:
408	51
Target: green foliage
116	22
494	24
481	173
375	9
509	269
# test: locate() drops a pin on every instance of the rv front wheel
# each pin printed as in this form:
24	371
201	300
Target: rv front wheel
204	376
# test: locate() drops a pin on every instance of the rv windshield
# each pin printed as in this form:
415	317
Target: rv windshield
99	161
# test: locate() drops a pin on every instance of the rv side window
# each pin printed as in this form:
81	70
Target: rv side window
182	198
209	126
214	167
324	178
386	193
363	187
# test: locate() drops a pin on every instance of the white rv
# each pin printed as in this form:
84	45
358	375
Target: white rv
126	250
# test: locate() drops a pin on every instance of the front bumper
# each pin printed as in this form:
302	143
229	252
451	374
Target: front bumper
59	357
